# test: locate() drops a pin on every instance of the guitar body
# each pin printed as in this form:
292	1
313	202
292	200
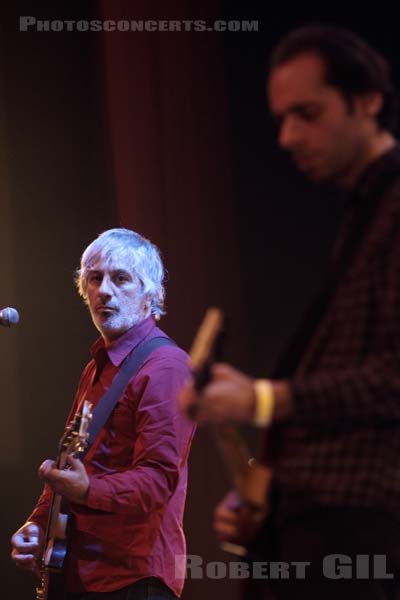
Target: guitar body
58	554
52	586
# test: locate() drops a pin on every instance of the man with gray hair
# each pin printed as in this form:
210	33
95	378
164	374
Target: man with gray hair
127	495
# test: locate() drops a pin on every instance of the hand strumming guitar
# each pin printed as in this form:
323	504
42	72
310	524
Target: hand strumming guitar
235	521
26	546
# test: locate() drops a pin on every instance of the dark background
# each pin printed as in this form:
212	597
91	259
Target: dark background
166	133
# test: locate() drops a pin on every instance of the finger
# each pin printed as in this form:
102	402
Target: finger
226	516
48	464
214	411
24	547
46	468
24	560
17	538
30	537
24	537
30	566
227	511
51	478
33	539
232	500
74	463
22	557
222	370
226	532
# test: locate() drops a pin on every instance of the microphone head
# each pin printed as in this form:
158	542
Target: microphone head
9	316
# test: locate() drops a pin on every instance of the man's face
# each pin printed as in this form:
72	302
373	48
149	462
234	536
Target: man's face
114	296
324	136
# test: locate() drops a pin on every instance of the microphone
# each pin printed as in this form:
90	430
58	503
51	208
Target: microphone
8	316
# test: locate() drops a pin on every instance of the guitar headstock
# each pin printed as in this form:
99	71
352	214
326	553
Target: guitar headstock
205	345
76	434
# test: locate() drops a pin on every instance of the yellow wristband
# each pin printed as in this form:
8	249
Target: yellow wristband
264	402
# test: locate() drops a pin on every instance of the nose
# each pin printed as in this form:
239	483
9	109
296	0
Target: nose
290	133
105	287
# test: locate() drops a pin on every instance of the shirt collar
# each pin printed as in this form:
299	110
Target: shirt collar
119	349
375	174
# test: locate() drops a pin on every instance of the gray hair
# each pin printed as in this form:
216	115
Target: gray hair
144	256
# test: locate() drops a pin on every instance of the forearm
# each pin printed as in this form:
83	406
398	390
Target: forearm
39	515
283	400
137	491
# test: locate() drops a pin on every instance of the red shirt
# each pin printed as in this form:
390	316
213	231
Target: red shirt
131	526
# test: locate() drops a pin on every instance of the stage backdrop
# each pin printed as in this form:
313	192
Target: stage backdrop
167	133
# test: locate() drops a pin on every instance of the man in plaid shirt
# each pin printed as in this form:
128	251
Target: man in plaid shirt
332	408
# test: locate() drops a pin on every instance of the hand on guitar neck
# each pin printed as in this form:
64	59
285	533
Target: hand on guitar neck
72	483
221	393
229	396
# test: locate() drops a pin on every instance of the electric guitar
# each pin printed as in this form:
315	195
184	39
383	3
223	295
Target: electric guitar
73	442
251	479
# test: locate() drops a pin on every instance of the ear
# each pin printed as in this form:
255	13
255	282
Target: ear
146	303
372	103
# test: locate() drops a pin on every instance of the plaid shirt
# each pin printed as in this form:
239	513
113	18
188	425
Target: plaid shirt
342	445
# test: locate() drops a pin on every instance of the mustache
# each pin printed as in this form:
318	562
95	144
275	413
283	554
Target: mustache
102	305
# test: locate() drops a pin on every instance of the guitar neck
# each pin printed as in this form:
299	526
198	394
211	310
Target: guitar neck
234	451
250	478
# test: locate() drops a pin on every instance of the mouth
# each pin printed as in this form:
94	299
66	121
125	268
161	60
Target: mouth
305	163
104	308
302	160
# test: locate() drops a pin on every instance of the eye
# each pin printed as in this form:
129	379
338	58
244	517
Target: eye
309	113
95	277
122	277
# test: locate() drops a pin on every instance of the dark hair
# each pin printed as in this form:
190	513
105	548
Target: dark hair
351	65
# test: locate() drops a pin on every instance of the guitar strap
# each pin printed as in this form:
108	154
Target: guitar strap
129	368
